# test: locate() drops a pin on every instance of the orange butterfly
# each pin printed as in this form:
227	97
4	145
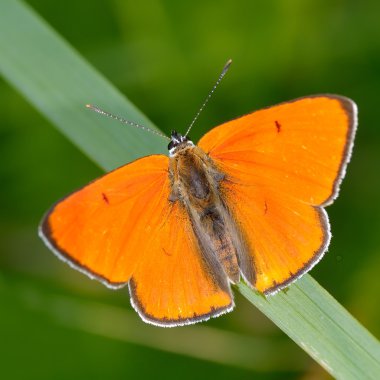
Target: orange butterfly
246	202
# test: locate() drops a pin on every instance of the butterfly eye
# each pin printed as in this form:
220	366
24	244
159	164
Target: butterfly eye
171	145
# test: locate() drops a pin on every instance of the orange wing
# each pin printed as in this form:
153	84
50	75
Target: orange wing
103	229
123	224
175	285
281	164
285	236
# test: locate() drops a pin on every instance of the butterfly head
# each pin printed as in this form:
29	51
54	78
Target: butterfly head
178	142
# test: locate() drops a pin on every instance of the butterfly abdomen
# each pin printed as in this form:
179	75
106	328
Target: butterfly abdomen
214	225
195	184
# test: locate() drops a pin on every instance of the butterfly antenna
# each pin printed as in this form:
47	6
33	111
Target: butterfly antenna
222	74
124	121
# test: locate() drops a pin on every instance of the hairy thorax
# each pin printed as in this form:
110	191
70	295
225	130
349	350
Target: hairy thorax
196	184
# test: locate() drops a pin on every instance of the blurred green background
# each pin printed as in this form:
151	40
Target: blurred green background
165	57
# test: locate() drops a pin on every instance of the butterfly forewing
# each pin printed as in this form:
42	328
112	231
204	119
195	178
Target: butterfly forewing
103	229
300	148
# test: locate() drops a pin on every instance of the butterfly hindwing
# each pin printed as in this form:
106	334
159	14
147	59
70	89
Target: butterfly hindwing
286	237
174	285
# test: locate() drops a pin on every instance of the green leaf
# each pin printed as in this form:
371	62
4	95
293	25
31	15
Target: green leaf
322	327
58	82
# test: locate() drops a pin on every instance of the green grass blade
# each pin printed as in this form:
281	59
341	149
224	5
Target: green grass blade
58	82
322	327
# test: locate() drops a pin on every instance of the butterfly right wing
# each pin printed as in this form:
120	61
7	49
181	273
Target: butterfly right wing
282	165
300	148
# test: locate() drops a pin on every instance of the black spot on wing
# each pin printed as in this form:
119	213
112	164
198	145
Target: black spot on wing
166	252
105	198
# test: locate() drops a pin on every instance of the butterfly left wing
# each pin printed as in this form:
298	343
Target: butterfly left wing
124	225
281	165
175	284
103	229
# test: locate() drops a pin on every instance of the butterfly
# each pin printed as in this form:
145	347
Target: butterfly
245	203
